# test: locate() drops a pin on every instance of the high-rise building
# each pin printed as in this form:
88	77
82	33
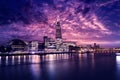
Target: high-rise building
58	35
57	45
58	29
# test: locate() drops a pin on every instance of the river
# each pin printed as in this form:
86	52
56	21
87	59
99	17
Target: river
60	67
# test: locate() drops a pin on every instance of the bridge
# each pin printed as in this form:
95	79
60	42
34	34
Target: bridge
109	50
101	51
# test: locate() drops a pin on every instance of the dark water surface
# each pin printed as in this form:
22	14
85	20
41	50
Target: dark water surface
60	67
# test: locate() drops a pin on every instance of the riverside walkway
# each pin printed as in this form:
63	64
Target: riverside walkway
46	53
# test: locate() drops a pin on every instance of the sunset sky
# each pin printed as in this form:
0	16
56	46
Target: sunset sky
82	21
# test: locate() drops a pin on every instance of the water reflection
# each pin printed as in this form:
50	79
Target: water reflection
6	60
24	58
35	59
29	59
35	70
118	67
13	60
93	60
60	67
51	57
0	60
19	59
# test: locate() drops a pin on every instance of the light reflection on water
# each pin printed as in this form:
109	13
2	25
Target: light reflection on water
6	60
13	60
29	59
118	67
63	67
0	60
35	69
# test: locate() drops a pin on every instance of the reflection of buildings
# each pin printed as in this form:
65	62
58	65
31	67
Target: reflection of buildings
58	45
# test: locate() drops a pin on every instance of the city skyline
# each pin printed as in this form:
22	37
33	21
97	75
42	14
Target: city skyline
82	21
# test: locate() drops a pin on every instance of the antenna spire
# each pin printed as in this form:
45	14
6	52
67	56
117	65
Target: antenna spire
58	18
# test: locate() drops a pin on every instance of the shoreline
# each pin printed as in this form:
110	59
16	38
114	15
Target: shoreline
47	53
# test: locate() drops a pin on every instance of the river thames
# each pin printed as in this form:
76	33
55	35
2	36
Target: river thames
60	67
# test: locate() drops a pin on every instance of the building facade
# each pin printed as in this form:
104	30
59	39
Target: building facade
33	46
18	45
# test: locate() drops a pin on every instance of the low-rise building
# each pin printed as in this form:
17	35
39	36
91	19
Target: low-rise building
18	45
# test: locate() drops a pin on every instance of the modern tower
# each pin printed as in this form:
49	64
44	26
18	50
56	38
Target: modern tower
58	35
58	29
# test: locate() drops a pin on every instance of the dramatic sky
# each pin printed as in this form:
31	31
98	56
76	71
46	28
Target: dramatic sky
83	21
